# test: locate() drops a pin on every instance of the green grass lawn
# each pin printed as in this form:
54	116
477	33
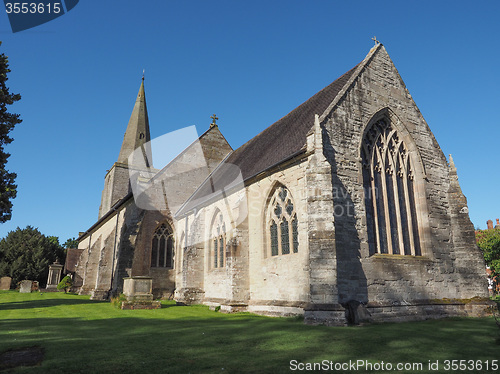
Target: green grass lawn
84	336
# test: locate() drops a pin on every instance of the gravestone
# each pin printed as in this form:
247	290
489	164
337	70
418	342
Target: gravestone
5	283
139	293
54	278
25	286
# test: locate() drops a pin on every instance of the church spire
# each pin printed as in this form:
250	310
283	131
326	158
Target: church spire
137	134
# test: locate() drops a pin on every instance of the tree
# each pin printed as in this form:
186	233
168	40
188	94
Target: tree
71	243
27	254
489	242
8	189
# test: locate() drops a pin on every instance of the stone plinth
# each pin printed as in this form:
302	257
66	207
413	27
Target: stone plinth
54	277
139	293
25	286
138	288
5	283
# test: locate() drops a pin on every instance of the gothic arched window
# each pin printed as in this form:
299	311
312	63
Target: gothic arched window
388	179
162	247
282	223
218	241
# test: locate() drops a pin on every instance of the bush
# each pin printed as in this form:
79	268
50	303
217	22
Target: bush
65	284
117	300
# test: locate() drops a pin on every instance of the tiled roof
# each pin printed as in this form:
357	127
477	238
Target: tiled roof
277	143
286	136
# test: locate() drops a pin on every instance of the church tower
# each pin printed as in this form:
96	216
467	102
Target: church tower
137	137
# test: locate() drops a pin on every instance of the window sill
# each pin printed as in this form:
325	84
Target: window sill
386	256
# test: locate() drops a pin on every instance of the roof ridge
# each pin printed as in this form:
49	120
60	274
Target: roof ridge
281	140
193	143
293	112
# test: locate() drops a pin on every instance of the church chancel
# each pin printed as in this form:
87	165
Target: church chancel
344	209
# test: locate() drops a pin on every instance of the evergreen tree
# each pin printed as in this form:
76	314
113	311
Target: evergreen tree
27	254
71	243
8	189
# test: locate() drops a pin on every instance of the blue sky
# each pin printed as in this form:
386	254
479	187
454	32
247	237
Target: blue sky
249	62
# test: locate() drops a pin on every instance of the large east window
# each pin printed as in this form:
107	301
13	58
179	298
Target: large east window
389	186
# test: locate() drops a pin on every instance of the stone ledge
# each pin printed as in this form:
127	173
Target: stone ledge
133	305
324	307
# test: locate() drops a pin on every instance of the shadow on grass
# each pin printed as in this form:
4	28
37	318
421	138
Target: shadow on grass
237	343
29	304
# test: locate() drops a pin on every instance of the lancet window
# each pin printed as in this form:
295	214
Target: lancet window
219	241
282	223
162	247
388	178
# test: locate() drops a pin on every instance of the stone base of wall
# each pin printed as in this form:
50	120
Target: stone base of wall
84	291
276	310
337	315
99	295
430	309
189	296
162	293
325	314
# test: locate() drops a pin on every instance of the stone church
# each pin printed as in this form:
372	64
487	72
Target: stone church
345	208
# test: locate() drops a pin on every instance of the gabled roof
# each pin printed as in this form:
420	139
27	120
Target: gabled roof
279	142
286	136
212	158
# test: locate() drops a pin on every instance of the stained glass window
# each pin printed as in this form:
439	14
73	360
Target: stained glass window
221	251
219	240
295	235
216	251
162	247
285	238
389	196
281	216
274	239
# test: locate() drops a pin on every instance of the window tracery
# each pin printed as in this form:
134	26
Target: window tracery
218	241
388	179
282	223
162	247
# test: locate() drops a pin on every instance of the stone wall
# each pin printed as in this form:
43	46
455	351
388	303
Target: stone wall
116	187
278	284
439	273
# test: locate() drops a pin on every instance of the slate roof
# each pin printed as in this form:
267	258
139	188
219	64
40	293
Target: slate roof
286	136
280	141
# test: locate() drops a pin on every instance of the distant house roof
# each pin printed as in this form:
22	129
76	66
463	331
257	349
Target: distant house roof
280	141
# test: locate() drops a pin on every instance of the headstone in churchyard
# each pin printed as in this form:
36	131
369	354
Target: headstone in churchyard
139	293
25	286
5	283
54	278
